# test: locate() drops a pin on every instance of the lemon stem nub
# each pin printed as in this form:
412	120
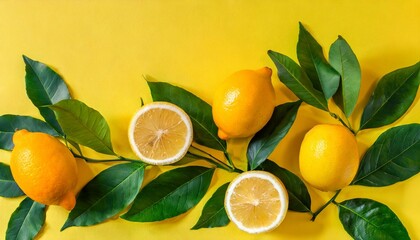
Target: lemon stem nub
266	72
68	201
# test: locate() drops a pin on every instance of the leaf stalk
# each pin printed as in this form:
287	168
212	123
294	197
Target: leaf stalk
92	160
343	122
212	159
315	214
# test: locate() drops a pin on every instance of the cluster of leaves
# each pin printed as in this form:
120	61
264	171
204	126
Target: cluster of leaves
120	187
392	158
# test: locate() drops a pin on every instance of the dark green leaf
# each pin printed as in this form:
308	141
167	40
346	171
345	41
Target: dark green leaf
292	75
44	87
84	125
394	157
299	198
205	130
26	221
8	186
266	140
214	213
106	195
368	219
170	194
10	123
344	61
392	97
311	58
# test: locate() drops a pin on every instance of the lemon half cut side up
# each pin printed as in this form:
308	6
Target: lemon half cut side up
160	133
256	201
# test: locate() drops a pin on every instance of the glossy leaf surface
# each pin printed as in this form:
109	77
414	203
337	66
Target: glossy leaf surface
214	213
110	192
292	75
84	125
368	219
344	61
26	221
44	87
392	97
8	186
266	140
170	194
394	157
311	58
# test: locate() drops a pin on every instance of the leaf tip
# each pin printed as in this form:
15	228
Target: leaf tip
26	59
302	27
66	225
195	227
125	216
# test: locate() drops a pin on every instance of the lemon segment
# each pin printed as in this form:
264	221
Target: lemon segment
160	133
256	201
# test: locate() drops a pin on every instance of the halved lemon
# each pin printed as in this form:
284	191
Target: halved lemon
160	133
256	201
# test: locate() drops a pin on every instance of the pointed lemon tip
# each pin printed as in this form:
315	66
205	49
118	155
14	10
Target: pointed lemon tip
68	201
266	72
17	136
222	135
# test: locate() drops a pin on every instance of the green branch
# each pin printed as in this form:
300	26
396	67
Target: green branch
91	160
315	214
212	159
342	122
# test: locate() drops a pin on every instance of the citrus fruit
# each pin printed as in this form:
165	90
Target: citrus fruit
243	103
329	157
160	133
256	201
44	168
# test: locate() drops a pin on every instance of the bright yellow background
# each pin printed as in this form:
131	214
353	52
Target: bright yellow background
103	48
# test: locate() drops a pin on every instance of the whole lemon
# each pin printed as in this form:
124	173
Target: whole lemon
329	157
244	103
44	168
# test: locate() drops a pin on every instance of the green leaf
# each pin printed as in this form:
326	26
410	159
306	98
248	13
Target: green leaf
205	130
10	123
394	157
8	186
368	219
392	97
84	125
311	58
292	75
266	140
344	61
299	198
170	194
26	221
214	213
44	87
110	192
